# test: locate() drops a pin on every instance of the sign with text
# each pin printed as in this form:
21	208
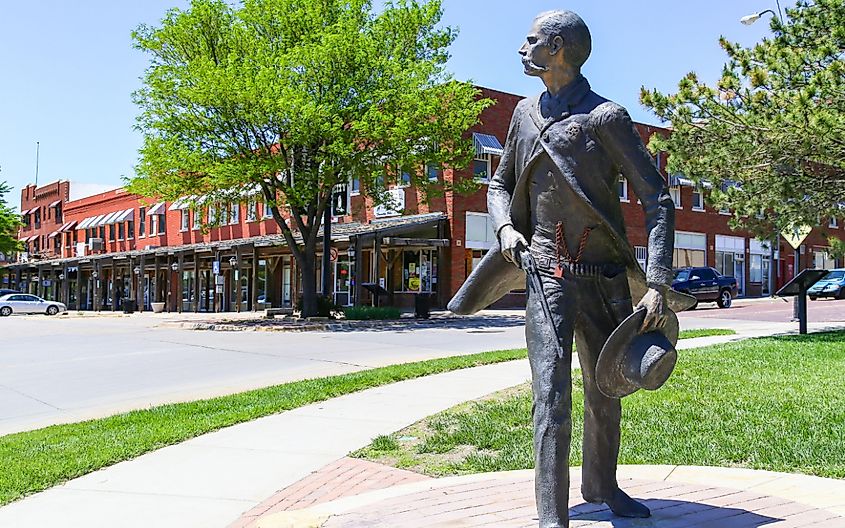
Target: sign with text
394	205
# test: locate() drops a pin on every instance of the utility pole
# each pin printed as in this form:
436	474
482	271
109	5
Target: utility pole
37	155
327	248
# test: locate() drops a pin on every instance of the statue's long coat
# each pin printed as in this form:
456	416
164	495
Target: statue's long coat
591	144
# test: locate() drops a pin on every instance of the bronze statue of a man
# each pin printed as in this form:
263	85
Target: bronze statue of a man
555	196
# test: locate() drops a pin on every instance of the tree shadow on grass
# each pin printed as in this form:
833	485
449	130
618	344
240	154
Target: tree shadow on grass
672	514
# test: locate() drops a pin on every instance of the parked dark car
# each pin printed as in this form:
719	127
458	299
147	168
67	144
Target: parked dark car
7	292
831	285
706	285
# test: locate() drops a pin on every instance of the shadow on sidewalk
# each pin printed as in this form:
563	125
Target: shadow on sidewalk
673	514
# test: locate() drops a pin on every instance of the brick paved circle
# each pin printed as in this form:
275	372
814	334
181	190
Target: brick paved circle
506	500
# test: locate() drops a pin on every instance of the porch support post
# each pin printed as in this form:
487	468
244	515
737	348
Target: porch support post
377	261
254	279
179	278
167	280
65	285
113	285
155	284
236	277
79	287
140	287
196	282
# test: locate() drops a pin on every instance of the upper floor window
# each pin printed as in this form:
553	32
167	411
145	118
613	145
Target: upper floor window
142	222
38	217
235	213
268	211
121	231
675	193
355	185
404	178
622	185
197	218
697	199
481	167
184	220
251	210
130	229
162	223
58	212
834	223
432	171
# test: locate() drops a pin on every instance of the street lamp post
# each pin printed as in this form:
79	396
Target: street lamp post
754	17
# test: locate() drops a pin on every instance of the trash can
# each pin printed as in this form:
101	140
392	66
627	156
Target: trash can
422	306
128	305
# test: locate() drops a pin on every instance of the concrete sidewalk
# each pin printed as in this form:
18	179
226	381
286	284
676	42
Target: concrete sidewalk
211	480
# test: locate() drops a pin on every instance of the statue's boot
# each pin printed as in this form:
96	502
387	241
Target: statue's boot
623	505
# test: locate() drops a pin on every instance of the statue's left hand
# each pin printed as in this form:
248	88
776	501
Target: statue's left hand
654	301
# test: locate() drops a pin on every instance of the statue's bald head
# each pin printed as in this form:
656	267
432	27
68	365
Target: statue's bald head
577	42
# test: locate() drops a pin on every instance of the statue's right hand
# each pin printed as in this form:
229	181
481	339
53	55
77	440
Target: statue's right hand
512	244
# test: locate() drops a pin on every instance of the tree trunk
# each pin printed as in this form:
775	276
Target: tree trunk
307	270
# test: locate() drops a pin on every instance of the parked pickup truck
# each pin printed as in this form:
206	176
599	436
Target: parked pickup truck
706	285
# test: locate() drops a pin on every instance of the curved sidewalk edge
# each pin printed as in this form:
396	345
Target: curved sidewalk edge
679	496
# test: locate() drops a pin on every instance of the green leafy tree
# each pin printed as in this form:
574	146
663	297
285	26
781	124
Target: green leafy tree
291	98
10	222
770	135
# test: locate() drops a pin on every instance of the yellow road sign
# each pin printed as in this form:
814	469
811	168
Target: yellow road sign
796	234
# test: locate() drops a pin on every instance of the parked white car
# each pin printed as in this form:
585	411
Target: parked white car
26	303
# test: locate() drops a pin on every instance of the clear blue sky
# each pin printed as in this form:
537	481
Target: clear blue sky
67	69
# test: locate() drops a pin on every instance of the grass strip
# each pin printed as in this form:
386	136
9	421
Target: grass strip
770	403
705	332
32	461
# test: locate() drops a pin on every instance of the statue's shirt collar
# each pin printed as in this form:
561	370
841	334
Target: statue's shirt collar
559	105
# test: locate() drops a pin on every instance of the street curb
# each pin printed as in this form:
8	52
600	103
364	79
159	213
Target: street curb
333	326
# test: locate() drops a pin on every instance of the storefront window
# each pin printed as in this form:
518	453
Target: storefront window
755	272
419	271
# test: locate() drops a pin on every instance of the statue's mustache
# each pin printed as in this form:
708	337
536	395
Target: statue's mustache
534	66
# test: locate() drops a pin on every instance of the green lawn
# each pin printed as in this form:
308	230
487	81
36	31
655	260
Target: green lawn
773	403
36	460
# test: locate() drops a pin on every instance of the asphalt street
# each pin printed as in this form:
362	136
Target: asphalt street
66	369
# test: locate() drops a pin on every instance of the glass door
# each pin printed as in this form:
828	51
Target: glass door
286	281
341	286
739	273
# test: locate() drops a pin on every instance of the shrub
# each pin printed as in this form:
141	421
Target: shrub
369	313
326	307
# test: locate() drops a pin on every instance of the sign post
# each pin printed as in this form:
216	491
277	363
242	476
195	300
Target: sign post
797	288
795	236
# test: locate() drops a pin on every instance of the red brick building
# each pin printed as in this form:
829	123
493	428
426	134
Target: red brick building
92	252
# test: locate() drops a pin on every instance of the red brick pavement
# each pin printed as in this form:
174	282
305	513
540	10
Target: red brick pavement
508	502
343	478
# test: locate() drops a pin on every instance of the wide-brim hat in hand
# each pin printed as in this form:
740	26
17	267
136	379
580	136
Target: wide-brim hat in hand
630	360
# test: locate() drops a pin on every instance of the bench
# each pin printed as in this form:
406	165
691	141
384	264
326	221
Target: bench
270	313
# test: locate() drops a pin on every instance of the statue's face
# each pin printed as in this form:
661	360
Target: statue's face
537	53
